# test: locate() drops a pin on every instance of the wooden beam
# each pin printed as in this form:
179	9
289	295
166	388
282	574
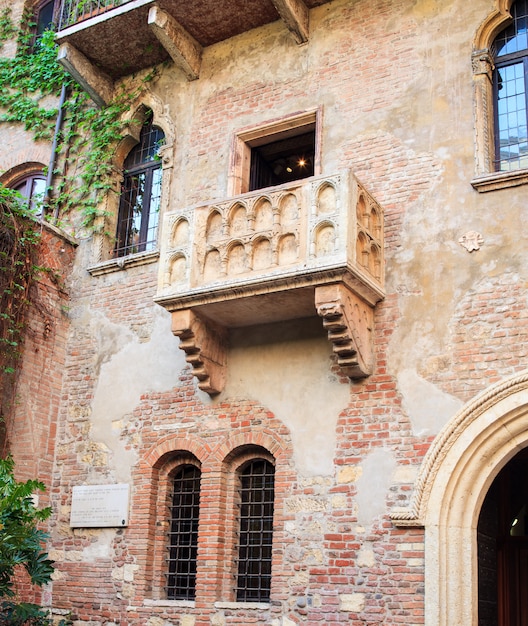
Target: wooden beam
295	15
184	50
96	83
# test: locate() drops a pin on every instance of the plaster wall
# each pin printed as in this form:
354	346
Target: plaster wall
397	107
394	84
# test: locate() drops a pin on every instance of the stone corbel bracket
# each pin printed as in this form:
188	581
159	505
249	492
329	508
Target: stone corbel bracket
349	321
96	83
205	345
296	16
184	50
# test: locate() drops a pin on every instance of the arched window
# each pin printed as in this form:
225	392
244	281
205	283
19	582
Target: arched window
183	534
510	54
139	205
45	17
33	188
256	497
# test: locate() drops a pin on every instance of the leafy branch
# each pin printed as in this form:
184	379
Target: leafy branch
26	79
18	268
21	546
89	134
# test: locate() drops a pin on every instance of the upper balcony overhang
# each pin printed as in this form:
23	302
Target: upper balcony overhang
313	247
104	40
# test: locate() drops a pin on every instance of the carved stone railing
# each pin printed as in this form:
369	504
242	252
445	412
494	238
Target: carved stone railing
312	247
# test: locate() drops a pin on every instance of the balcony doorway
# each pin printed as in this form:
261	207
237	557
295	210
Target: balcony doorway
282	161
277	153
502	536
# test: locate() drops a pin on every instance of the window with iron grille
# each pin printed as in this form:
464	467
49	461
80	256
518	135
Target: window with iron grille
256	493
511	91
139	204
183	534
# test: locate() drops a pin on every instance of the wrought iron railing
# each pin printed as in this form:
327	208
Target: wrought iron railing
75	11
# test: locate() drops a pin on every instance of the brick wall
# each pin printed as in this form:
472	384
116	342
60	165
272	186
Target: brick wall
32	399
396	107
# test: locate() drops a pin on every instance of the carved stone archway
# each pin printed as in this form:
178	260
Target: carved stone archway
453	481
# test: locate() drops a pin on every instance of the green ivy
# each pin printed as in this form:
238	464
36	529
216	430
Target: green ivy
89	138
7	29
89	134
19	235
21	545
83	171
26	79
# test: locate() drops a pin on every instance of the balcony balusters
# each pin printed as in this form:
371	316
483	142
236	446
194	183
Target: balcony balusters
310	247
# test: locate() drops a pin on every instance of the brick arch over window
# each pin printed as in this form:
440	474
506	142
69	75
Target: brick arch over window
237	443
29	180
171	445
169	503
454	479
219	492
20	171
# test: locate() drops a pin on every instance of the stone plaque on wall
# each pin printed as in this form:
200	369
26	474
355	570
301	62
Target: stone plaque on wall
99	506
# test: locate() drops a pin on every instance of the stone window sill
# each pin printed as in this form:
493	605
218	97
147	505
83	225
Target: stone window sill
189	604
255	606
500	180
116	265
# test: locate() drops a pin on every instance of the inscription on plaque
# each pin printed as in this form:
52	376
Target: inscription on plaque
99	506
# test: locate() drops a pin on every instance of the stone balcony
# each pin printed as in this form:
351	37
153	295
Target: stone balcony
102	41
299	250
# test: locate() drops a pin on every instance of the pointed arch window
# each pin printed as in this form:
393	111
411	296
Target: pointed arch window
510	80
139	205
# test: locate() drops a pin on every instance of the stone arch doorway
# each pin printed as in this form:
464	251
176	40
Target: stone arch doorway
502	547
454	480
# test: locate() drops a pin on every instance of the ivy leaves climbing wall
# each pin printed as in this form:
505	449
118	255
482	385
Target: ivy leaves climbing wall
18	237
30	85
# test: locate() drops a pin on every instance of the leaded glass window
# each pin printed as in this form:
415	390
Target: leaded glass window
510	85
139	206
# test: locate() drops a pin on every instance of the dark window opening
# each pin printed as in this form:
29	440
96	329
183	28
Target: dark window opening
511	91
183	534
502	540
282	160
139	206
256	491
45	18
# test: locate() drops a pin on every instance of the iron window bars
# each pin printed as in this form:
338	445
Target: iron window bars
183	534
256	492
137	224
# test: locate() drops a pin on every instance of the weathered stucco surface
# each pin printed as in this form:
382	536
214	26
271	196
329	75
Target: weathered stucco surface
130	368
373	484
286	368
393	88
